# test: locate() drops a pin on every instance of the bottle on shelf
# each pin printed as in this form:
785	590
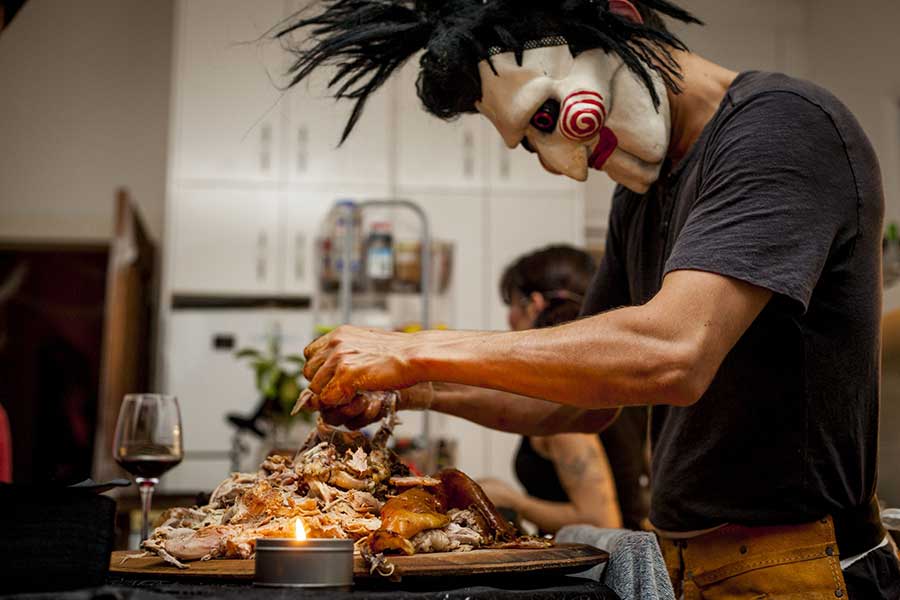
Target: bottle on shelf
343	226
380	257
408	266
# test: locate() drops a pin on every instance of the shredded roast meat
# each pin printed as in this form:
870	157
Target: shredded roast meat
340	485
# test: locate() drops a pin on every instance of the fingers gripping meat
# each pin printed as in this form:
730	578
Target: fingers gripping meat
348	459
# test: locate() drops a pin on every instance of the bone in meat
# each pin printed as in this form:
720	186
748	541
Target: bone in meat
413	481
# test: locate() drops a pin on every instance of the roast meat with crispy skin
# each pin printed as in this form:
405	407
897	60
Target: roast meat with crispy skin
420	519
343	485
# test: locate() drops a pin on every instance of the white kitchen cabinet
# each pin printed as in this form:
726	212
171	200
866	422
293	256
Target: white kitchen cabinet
518	169
314	127
304	212
296	328
432	152
224	240
227	117
520	222
210	382
458	217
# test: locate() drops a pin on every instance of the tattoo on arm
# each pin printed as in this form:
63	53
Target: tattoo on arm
576	466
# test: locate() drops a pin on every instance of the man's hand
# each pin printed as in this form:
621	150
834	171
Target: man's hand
350	360
365	409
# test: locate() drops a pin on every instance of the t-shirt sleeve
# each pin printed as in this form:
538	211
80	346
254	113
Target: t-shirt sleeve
776	189
609	286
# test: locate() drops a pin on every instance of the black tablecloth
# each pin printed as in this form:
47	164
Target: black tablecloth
506	588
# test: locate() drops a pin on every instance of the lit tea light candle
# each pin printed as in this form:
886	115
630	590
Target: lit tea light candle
299	530
302	562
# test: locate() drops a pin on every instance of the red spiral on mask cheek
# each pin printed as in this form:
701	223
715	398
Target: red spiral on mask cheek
583	115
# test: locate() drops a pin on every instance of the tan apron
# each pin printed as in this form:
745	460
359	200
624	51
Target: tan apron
736	562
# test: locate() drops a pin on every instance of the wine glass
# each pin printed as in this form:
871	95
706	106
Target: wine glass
148	443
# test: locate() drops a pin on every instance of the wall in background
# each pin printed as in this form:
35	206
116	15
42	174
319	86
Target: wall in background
853	54
83	109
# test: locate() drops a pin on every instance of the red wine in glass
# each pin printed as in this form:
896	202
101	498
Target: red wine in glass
148	466
148	443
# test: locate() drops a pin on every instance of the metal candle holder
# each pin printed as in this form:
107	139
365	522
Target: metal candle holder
311	563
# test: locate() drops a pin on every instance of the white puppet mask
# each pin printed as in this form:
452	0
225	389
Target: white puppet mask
576	113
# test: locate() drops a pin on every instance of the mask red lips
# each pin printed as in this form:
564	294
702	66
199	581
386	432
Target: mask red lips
606	145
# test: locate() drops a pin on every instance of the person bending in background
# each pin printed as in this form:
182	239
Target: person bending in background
573	477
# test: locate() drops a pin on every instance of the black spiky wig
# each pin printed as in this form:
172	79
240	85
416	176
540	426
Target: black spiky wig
367	40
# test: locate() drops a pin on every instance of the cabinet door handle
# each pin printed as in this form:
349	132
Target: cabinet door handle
302	149
299	257
265	147
262	243
468	154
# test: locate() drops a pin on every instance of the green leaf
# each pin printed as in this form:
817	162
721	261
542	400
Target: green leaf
264	363
260	378
287	394
275	378
295	358
274	346
270	382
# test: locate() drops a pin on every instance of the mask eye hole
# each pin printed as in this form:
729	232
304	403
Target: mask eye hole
546	116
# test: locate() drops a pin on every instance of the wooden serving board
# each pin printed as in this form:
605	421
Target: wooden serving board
562	558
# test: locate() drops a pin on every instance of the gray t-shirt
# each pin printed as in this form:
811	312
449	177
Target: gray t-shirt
782	190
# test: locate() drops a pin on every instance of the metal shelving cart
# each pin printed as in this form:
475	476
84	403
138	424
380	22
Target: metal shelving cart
369	280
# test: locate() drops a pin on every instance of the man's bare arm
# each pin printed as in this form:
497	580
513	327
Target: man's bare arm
491	408
514	413
664	352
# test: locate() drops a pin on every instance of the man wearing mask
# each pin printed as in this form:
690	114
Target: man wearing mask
739	295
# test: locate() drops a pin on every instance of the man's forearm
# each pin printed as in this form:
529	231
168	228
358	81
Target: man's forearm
514	413
666	351
600	362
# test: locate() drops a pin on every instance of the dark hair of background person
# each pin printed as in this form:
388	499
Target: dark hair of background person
560	273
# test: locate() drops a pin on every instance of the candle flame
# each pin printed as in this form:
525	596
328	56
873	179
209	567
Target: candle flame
299	530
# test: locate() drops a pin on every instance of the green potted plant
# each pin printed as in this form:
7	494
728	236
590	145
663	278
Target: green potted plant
279	380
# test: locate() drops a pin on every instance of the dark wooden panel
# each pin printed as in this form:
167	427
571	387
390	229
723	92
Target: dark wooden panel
127	329
560	558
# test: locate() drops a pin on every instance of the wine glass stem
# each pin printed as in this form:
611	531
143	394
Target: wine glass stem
146	487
